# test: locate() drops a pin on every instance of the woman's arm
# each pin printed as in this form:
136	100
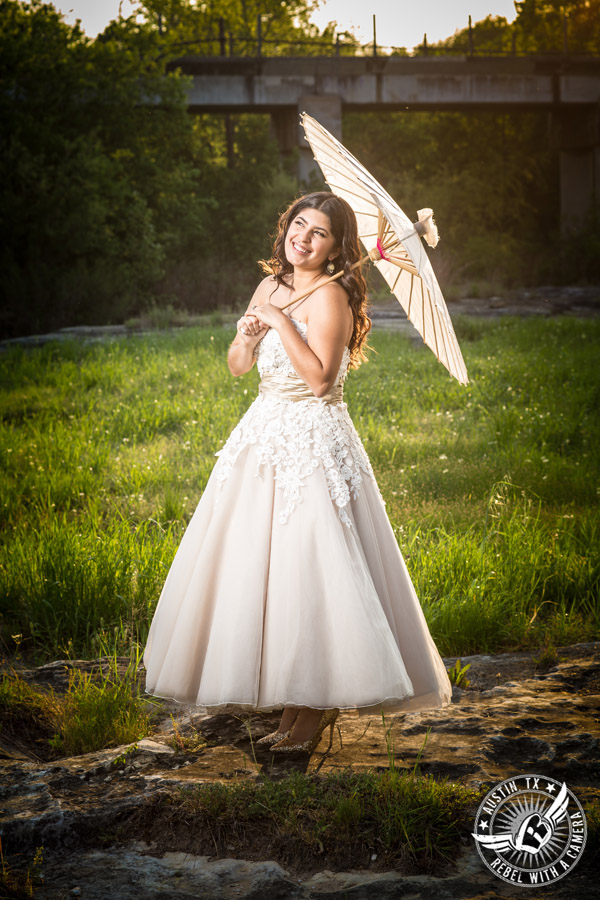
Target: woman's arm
240	356
318	361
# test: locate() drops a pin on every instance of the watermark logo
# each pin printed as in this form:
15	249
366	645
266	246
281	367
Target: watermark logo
530	830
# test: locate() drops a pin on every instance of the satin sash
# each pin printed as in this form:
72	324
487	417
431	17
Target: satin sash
291	387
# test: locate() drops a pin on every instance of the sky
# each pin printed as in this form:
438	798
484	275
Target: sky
400	23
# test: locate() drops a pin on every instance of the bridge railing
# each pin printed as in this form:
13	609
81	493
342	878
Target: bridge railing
223	43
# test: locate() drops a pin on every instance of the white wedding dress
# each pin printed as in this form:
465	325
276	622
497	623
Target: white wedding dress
288	587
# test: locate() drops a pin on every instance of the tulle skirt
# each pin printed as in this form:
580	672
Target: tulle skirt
257	614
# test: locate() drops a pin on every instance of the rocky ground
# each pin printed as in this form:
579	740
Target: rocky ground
513	718
544	302
582	302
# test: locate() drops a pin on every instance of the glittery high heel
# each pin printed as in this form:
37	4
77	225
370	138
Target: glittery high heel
273	737
288	745
276	736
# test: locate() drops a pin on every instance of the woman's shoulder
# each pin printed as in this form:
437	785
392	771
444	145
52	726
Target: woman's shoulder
267	281
333	289
265	288
329	308
331	295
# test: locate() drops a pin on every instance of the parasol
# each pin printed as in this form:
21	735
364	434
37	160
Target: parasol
393	243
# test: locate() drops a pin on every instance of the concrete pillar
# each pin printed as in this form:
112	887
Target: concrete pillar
577	137
578	187
284	128
327	110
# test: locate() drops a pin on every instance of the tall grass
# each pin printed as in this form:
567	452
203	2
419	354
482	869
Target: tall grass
98	712
17	884
518	580
98	709
344	816
492	489
76	587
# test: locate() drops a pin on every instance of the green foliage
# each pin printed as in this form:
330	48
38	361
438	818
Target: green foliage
541	27
98	475
493	35
553	26
489	177
409	819
492	178
17	884
98	185
27	715
98	710
192	742
391	751
16	693
101	711
548	657
125	756
78	586
246	192
114	198
492	489
286	28
524	579
457	674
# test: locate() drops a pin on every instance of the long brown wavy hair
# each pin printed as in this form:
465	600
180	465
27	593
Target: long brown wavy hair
345	233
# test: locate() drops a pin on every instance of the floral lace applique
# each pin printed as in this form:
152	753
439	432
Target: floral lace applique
294	437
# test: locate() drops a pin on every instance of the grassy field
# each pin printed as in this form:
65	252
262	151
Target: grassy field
492	489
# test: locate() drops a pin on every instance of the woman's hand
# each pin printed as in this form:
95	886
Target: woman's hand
250	330
269	314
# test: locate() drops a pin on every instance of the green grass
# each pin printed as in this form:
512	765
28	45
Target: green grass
28	715
343	818
99	709
492	489
20	883
99	712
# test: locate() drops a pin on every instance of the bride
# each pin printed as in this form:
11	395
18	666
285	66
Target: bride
288	590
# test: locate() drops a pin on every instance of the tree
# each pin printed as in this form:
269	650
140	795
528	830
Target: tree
113	195
489	178
186	26
558	26
95	180
541	27
491	36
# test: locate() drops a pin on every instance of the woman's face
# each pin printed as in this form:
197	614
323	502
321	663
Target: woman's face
309	243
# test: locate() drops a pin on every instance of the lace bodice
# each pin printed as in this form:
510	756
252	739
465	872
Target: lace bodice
295	437
272	358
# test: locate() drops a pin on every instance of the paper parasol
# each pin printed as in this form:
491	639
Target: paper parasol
393	243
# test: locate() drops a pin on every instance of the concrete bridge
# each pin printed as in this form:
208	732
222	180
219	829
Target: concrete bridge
568	87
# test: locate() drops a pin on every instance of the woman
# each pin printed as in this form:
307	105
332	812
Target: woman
288	589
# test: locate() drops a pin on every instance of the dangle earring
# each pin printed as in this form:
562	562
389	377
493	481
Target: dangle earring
330	267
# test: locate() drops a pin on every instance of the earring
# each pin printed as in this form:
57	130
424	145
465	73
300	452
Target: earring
330	267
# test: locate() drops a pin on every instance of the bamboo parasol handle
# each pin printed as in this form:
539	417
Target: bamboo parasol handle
335	277
387	242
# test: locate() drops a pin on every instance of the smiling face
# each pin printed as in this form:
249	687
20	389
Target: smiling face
309	242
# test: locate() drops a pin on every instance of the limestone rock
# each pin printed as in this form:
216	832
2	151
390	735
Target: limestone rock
513	719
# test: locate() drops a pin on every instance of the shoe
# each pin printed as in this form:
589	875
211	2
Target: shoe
288	745
273	737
